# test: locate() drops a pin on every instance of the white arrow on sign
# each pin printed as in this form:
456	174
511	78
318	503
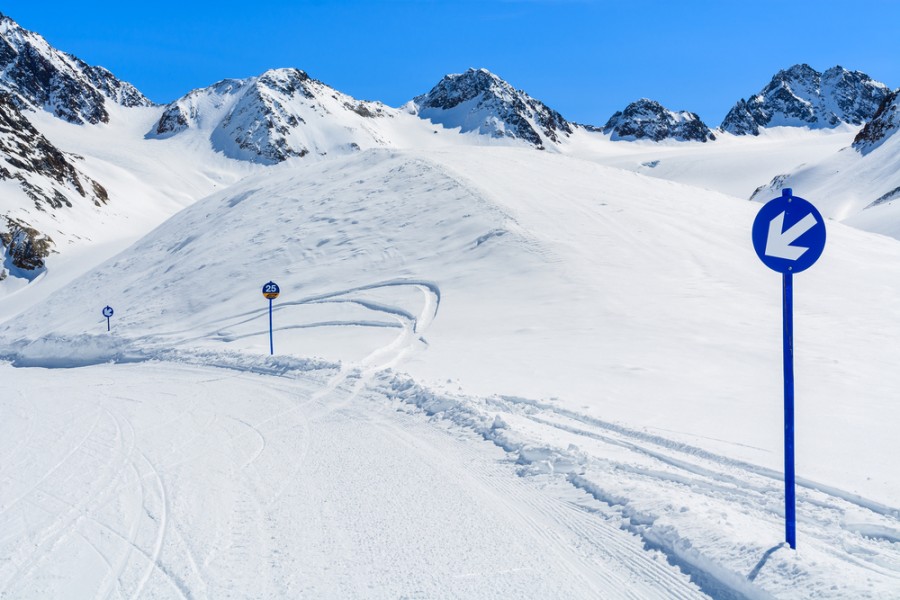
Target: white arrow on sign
778	244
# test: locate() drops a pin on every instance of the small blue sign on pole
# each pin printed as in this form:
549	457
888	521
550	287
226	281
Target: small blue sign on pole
271	291
789	236
108	312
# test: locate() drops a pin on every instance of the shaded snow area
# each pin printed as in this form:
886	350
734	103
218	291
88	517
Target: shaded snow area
498	373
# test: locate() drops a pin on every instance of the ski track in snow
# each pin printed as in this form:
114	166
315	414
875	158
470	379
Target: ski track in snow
638	487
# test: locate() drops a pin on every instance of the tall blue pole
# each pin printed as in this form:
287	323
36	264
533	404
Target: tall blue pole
271	343
790	500
107	323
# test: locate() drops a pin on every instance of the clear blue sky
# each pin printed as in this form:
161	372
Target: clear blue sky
585	58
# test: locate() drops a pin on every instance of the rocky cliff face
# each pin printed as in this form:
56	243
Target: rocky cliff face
803	97
650	120
45	173
479	101
37	75
281	114
883	125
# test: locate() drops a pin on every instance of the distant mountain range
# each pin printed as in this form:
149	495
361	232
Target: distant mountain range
285	114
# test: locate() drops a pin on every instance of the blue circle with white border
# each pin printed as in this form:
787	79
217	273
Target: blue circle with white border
271	290
788	234
108	311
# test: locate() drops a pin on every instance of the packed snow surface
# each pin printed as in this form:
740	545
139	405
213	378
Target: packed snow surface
498	373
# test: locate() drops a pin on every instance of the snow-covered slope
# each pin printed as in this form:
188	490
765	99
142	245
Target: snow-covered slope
803	97
650	120
479	101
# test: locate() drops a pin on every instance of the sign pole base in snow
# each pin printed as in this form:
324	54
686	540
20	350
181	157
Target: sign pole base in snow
790	501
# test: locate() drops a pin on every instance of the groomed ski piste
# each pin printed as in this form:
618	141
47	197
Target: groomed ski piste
498	373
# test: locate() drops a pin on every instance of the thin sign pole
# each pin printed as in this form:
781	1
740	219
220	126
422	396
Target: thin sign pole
271	342
107	323
790	501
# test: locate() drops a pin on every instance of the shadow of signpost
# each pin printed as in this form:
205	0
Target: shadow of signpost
762	562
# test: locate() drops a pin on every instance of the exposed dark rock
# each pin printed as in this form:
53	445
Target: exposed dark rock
478	100
60	83
884	124
648	119
25	247
803	97
28	157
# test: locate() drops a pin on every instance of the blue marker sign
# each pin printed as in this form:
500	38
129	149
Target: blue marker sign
789	236
270	291
108	312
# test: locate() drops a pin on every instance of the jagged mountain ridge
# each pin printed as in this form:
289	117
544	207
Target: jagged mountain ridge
803	97
885	123
649	120
479	101
281	114
40	76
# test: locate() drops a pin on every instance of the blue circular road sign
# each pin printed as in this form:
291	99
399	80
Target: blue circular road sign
108	311
271	290
788	233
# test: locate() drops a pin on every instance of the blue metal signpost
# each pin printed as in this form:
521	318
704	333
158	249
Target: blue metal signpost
271	291
107	312
789	236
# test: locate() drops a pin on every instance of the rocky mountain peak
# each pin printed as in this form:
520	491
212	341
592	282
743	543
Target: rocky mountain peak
480	101
39	76
803	97
648	119
281	114
884	124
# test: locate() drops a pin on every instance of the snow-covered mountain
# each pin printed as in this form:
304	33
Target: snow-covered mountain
649	120
479	101
281	114
803	97
40	76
